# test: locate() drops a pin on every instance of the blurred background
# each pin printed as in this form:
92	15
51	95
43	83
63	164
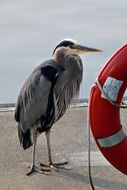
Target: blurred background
30	30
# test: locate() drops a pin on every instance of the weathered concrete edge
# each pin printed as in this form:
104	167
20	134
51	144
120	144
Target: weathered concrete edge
11	107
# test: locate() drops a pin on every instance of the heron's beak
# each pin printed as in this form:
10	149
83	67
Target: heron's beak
84	49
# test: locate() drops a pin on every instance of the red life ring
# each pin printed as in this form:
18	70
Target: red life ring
104	117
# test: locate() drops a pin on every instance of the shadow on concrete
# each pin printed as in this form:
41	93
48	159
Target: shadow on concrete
100	182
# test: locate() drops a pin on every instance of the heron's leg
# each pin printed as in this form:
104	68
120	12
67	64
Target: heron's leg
33	168
51	164
49	146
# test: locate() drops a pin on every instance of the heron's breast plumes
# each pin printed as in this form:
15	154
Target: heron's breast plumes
68	85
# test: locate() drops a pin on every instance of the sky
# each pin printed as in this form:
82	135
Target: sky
30	30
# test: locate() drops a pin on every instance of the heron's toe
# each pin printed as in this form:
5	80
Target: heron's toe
61	165
33	169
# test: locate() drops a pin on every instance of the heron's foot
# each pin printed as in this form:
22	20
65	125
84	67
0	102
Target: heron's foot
61	165
34	169
56	166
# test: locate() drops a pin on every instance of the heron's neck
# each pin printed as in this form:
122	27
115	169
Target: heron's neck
59	57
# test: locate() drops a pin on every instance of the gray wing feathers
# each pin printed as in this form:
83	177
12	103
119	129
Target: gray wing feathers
33	100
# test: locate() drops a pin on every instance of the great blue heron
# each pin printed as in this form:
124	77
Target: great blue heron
46	94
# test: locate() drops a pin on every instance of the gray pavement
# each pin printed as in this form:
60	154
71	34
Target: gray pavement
69	142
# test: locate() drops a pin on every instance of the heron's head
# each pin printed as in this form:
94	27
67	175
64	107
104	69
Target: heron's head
72	47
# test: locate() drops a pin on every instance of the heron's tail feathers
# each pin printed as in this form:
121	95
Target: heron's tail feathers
24	138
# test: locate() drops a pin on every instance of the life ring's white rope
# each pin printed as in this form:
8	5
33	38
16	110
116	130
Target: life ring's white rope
122	105
112	140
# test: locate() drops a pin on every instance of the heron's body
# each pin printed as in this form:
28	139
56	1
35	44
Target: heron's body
47	93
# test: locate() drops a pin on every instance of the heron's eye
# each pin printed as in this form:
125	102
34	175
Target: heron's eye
72	46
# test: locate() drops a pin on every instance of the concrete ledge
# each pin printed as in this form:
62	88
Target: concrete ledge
69	142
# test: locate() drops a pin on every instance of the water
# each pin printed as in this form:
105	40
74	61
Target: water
29	31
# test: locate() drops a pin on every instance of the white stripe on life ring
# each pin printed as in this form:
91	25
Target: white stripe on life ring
112	140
